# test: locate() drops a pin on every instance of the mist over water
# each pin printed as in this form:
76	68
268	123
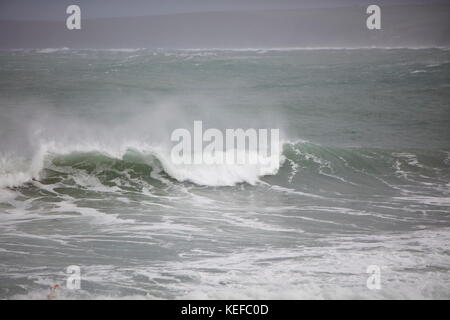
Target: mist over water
86	178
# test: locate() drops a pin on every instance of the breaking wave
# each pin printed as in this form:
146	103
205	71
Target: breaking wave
301	163
125	166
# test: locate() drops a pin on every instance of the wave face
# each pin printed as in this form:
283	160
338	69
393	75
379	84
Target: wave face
363	178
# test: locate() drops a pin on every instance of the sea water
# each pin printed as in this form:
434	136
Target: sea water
363	179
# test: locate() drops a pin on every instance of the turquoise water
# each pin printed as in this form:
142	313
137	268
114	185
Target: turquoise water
364	177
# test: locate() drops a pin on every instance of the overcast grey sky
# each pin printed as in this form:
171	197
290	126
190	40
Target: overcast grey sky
223	24
55	9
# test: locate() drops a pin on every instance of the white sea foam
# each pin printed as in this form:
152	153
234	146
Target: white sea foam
413	266
222	174
52	50
16	171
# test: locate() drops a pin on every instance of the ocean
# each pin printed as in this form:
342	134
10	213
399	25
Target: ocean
363	181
